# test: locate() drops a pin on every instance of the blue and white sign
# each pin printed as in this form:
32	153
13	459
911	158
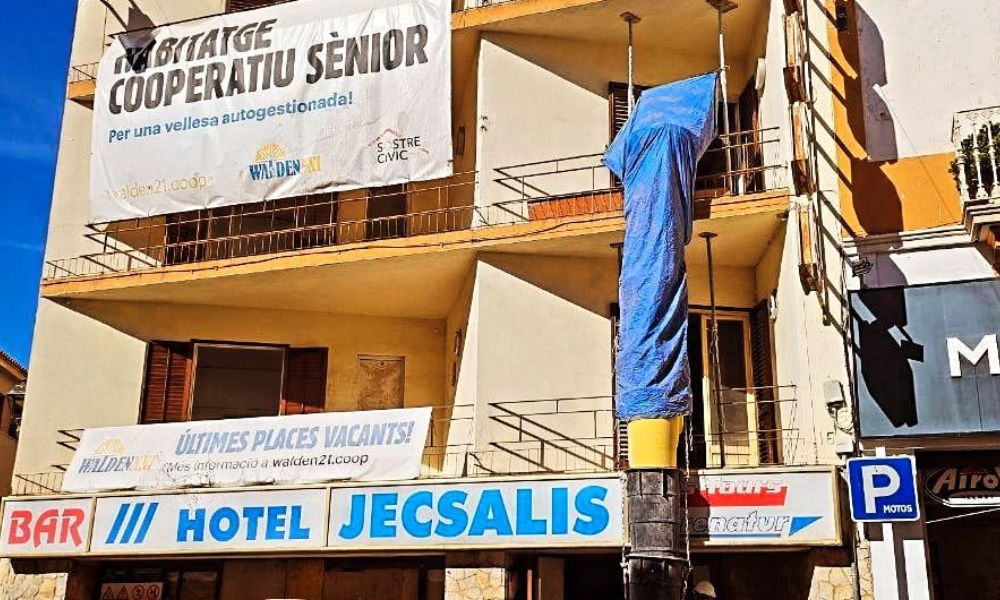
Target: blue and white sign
371	445
205	522
510	514
883	488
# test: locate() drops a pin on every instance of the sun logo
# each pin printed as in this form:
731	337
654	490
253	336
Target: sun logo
110	446
268	152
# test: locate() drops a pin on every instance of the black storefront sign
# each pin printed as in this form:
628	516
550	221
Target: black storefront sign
927	360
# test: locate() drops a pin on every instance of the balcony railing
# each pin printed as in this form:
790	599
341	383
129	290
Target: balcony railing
79	73
740	163
560	188
274	226
567	435
976	168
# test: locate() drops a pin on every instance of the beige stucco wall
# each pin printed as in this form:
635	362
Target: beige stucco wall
92	375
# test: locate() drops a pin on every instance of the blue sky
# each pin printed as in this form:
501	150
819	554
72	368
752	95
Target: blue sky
34	43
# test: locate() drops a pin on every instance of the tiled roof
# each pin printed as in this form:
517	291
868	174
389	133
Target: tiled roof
11	360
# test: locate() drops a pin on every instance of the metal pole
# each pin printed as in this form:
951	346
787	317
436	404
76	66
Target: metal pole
631	19
723	90
714	380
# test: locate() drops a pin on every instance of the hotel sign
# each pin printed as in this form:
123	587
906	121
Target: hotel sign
500	514
550	513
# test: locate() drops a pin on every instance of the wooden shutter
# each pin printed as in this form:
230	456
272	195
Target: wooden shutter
763	381
305	381
618	104
167	385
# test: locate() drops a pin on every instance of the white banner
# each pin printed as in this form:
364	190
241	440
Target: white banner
760	509
375	445
45	527
231	521
584	512
299	98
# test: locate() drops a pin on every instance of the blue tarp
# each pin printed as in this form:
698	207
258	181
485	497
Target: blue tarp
655	155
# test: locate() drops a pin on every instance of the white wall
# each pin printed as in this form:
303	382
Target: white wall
922	61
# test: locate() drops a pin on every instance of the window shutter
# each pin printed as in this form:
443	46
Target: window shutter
167	384
305	381
763	380
618	104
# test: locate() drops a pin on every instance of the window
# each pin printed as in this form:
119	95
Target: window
251	229
385	214
380	382
232	382
204	381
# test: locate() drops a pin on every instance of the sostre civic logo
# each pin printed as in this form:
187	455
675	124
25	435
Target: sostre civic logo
271	161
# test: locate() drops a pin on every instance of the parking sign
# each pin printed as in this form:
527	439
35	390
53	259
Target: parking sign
883	488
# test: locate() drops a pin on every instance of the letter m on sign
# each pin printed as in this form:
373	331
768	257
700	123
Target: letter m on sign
986	347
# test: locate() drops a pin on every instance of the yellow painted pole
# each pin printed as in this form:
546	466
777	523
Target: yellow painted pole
652	443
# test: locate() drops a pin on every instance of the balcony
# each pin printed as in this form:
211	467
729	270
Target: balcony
976	170
739	170
82	83
742	174
555	436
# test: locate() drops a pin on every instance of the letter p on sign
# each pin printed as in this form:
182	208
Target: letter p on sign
883	489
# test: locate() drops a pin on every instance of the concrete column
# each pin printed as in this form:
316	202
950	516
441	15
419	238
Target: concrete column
899	561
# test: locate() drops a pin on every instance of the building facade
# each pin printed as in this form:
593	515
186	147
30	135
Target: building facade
12	378
918	151
489	298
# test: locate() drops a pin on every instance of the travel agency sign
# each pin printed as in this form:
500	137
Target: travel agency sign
760	508
585	511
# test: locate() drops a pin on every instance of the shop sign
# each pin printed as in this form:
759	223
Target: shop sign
586	512
363	446
34	528
131	591
927	359
206	522
754	508
299	98
970	485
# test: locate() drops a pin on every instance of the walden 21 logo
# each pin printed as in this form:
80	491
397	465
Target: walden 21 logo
272	162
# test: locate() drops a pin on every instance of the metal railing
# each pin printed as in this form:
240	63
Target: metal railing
85	72
570	435
273	226
454	446
559	188
976	167
554	187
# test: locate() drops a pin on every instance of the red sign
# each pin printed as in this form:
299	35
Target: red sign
45	527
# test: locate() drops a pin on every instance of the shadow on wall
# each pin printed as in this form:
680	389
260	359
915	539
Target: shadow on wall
875	198
882	344
884	350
